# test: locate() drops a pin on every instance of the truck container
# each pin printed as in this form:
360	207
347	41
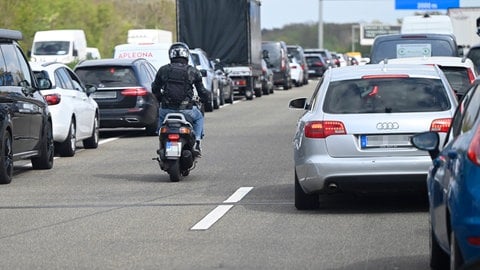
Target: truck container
64	46
145	36
466	23
155	53
229	31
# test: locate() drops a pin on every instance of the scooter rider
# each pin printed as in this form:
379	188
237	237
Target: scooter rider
173	87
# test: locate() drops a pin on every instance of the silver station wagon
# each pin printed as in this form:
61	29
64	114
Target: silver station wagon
355	133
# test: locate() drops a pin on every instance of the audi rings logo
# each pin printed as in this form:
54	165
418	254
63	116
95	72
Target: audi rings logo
387	125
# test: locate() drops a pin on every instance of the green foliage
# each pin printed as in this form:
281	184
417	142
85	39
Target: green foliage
105	22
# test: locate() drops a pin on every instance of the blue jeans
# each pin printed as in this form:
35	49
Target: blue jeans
194	113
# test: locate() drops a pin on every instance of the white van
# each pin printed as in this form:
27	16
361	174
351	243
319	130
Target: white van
64	46
144	36
435	24
156	53
93	53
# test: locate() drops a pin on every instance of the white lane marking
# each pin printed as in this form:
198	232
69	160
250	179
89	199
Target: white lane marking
108	140
221	210
238	195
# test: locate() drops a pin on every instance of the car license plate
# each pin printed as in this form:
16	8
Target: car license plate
173	149
104	94
385	141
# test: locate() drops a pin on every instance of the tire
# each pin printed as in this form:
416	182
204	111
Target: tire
304	201
230	98
6	159
67	148
174	170
456	260
258	92
92	142
44	160
209	106
438	258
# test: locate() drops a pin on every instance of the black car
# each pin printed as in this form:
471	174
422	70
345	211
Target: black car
316	65
124	92
276	55
25	121
412	45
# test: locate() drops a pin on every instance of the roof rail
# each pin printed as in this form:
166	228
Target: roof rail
10	34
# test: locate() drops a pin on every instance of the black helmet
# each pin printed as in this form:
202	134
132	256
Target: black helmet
178	50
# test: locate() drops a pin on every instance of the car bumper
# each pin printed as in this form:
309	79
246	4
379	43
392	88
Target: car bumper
137	117
316	174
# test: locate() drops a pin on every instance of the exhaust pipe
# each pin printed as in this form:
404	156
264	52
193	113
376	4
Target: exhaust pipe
332	187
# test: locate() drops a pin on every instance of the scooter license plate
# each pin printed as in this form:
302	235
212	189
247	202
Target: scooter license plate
173	149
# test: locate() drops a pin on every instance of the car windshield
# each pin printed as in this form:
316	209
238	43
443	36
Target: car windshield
386	95
51	48
108	76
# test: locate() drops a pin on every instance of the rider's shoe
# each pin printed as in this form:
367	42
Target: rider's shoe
197	150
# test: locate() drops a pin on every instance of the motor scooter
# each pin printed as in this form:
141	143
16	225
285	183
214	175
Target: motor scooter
177	141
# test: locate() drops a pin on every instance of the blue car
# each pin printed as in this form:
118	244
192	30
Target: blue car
453	184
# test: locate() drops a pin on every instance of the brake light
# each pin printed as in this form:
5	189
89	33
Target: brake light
474	240
294	67
323	129
318	64
473	152
240	82
52	99
385	76
441	125
134	92
174	137
471	76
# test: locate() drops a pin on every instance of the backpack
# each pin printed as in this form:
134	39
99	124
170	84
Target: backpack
177	85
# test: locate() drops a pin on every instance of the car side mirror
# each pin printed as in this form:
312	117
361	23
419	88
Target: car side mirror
299	103
427	141
90	88
203	72
44	83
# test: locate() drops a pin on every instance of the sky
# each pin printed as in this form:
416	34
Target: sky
277	13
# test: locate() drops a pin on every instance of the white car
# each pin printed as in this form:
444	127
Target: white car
460	71
296	72
73	109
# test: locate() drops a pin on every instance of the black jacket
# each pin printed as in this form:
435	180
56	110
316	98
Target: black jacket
194	77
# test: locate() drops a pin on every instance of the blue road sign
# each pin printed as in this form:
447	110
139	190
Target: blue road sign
426	4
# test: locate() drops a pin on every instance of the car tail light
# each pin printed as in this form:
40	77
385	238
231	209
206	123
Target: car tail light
240	82
318	64
294	67
473	152
134	92
474	240
174	137
303	66
52	99
323	129
441	125
471	76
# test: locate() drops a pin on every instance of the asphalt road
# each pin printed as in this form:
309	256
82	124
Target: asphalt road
113	208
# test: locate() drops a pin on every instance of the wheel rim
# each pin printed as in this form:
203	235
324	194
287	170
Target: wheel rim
8	155
50	144
96	130
73	137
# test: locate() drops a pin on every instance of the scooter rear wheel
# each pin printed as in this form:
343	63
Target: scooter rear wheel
174	170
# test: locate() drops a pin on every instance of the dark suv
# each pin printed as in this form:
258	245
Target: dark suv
25	122
276	55
124	92
412	45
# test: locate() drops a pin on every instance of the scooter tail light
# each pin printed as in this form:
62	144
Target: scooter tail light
473	152
184	130
323	129
441	125
174	137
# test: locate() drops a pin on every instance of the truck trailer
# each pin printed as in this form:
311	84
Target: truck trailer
229	31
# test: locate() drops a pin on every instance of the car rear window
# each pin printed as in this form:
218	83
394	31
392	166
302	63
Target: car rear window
108	76
457	77
390	49
386	95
